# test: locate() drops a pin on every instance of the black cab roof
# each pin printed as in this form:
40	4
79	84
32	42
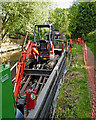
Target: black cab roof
44	25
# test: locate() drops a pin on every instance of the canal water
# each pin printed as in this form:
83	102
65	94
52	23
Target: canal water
10	58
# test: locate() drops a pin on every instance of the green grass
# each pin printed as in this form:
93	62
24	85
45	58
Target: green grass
73	100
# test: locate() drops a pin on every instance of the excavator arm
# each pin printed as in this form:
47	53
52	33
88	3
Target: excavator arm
30	49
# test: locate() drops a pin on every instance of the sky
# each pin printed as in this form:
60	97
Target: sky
63	3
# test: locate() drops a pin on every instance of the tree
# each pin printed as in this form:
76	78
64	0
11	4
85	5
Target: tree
82	18
72	15
86	17
60	20
22	16
57	17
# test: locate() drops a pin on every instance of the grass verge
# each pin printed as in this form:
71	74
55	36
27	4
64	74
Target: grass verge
73	100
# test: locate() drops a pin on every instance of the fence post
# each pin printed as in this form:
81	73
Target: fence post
66	46
70	40
62	46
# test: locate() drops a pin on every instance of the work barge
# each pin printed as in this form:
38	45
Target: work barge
37	78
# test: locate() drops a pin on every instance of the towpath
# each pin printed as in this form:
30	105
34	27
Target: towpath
8	47
91	68
91	57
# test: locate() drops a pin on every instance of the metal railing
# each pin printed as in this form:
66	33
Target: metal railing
13	71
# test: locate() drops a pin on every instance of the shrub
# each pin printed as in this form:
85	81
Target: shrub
91	37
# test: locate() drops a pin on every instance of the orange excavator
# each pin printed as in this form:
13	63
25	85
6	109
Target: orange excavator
44	42
40	50
30	50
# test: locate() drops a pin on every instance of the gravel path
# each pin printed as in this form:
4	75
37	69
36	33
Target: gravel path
90	63
91	57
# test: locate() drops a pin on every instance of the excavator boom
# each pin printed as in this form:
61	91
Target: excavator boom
30	49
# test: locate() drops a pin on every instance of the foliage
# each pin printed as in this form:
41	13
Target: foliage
72	14
91	41
60	20
22	16
92	46
82	18
91	37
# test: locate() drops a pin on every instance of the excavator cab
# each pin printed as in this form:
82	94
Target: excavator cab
43	38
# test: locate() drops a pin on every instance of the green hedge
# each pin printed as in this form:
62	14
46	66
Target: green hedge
91	37
91	41
92	46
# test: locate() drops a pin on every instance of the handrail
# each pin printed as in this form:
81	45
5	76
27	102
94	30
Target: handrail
14	66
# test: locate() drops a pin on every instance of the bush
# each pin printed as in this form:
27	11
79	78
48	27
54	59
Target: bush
91	37
92	46
91	43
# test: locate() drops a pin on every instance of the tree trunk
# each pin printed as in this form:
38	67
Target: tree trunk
24	41
3	35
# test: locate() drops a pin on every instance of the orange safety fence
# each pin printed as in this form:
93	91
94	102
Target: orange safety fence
79	40
91	72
